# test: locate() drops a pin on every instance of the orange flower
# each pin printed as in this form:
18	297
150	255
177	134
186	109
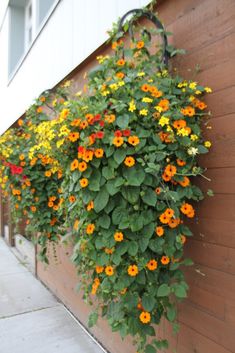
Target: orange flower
76	122
170	170
145	317
179	124
185	182
99	269
158	190
88	155
83	182
140	44
145	87
164	219
39	109
76	224
50	204
99	153
169	212
201	105
129	161
183	239
159	231
83	125
33	208
164	104
21	157
165	260
174	222
166	177
109	251
121	62
72	198
156	93
110	118
120	75
191	214
118	141
82	166
118	236
74	165
180	162
90	206
90	228
48	173
186	208
109	270
20	122
133	140
152	265
133	270
53	221
190	111
73	136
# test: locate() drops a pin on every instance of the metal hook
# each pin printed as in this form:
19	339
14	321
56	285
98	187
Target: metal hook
150	16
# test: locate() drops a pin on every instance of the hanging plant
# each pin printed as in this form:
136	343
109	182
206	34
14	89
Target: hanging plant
129	187
127	150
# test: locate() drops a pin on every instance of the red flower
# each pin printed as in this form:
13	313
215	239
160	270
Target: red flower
100	134
101	123
97	117
118	133
81	149
126	132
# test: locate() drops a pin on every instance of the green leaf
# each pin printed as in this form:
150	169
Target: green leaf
210	192
134	175
108	173
148	302
94	181
104	221
119	155
122	121
163	290
180	291
133	248
112	189
171	313
118	214
202	149
150	349
143	244
92	319
131	194
150	197
101	200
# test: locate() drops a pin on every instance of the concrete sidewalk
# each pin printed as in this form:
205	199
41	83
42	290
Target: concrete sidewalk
31	319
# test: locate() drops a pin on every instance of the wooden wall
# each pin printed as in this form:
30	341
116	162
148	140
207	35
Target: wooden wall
206	29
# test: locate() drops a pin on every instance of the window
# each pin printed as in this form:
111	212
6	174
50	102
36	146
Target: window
26	19
29	23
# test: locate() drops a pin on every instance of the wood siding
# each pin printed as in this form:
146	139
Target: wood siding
206	29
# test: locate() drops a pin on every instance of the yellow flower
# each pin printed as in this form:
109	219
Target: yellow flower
113	86
105	93
132	106
208	89
183	132
144	112
207	144
163	121
159	109
59	143
140	74
193	85
194	137
121	83
198	92
147	100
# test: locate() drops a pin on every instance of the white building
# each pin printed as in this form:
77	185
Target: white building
42	41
